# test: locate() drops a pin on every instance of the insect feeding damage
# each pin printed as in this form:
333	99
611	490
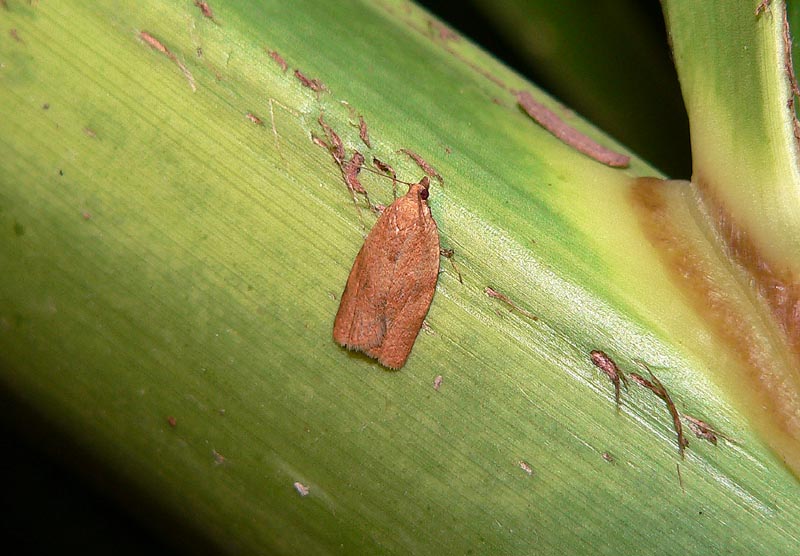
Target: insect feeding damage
491	292
658	389
569	135
392	282
603	362
156	44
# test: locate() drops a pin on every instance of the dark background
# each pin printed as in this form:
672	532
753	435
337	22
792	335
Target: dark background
52	499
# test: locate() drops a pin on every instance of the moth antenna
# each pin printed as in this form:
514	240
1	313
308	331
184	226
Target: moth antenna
368	169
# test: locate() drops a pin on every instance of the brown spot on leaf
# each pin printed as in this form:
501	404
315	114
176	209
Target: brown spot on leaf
701	429
314	84
794	92
449	254
603	362
334	141
15	35
658	389
362	131
437	382
278	60
219	459
423	164
160	47
384	167
154	42
569	135
172	421
318	141
253	118
389	171
762	7
350	171
205	9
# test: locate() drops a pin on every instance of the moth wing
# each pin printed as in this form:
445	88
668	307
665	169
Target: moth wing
410	291
359	322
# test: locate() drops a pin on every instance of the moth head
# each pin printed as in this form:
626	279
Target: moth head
425	192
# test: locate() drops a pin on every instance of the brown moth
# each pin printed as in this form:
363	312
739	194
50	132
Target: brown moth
392	282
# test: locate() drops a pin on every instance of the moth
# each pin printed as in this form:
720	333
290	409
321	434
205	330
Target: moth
392	282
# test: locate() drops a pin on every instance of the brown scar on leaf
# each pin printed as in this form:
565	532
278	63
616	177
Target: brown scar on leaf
423	164
350	171
448	254
569	135
206	10
90	132
525	466
154	42
219	459
15	35
437	382
658	389
603	362
794	92
608	457
314	84
389	171
491	292
158	45
318	141
362	131
172	421
278	60
253	118
703	430
762	7
335	144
